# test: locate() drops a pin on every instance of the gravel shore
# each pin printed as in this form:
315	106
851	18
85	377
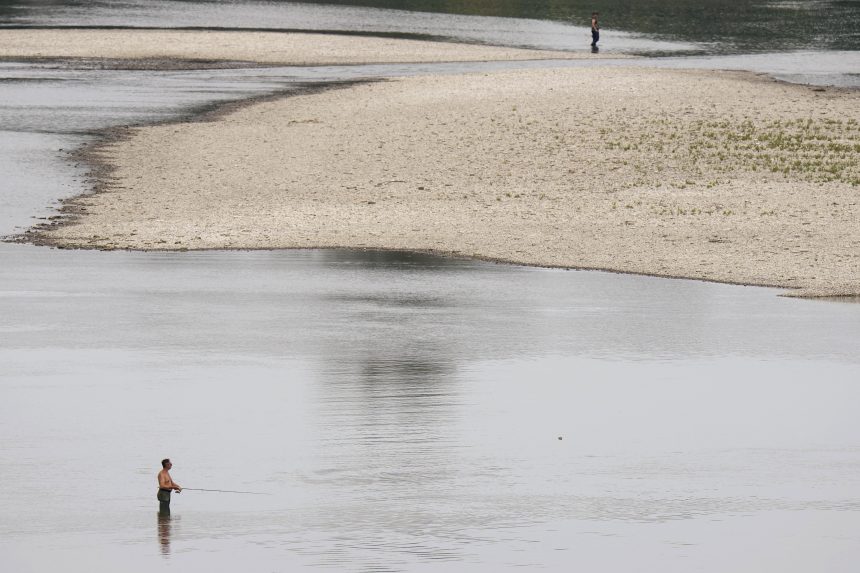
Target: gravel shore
720	176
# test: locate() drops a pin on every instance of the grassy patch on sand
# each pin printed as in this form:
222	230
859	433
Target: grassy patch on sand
808	149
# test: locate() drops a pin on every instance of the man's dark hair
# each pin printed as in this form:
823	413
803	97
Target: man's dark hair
164	462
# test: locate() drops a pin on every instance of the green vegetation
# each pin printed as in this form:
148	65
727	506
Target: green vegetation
814	150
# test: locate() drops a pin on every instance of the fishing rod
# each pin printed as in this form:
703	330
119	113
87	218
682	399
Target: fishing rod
224	491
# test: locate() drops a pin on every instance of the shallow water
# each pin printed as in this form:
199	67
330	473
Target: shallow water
813	42
714	26
400	412
403	412
300	16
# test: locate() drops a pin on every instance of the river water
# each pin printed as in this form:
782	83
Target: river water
395	411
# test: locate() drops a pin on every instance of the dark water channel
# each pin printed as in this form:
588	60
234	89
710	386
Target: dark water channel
400	412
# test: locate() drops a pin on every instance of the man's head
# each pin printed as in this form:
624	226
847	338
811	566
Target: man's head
165	463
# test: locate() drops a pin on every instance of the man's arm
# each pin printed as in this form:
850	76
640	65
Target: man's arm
166	482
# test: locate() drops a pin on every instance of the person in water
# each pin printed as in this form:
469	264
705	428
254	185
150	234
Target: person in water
595	29
166	485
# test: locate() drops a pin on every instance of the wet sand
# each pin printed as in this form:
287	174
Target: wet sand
720	176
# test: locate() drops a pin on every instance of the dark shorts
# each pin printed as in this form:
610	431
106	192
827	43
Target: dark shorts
164	495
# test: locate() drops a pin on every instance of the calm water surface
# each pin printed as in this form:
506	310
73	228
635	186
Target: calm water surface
400	412
403	413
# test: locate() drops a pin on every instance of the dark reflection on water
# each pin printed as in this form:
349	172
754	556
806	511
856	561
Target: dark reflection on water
387	423
404	260
165	525
307	304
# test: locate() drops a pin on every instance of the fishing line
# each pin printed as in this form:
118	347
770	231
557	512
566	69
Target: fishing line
224	491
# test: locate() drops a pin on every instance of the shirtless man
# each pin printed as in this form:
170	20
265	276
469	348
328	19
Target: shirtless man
595	29
165	486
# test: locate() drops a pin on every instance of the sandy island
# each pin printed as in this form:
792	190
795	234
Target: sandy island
269	48
721	176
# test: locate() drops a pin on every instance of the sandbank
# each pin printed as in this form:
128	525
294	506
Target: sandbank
720	176
269	48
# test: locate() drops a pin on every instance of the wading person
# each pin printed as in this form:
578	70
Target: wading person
595	30
166	485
